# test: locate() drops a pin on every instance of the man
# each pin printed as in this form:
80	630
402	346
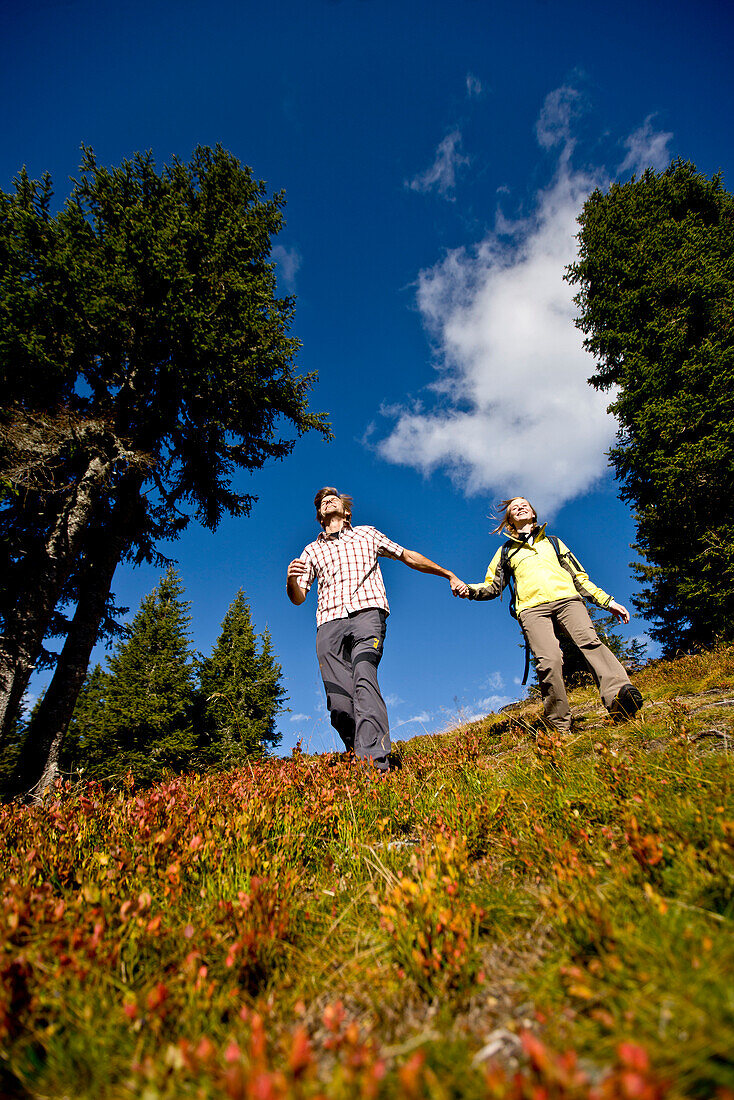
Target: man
351	618
549	586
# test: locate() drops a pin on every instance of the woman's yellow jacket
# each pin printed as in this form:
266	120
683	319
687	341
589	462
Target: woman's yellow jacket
540	576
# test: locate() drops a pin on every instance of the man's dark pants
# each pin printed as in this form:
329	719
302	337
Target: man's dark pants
349	651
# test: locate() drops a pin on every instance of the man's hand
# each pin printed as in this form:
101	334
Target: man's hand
459	588
620	613
296	569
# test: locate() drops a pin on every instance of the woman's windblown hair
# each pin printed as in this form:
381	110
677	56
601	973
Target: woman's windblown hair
502	514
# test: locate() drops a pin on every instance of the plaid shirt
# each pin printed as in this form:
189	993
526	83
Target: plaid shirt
349	578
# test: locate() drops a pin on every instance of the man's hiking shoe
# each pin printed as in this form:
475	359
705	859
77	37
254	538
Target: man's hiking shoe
382	766
627	704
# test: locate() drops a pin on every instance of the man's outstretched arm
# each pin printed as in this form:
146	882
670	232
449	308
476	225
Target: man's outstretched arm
425	565
296	569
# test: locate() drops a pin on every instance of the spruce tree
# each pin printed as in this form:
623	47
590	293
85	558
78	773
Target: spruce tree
139	715
11	749
656	299
269	694
86	746
241	690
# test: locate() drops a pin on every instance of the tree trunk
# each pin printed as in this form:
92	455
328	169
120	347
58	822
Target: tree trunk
20	646
42	748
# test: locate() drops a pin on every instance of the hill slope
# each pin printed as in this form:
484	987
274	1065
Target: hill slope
509	913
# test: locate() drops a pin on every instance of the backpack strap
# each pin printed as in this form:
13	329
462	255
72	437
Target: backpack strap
565	558
507	575
526	670
553	540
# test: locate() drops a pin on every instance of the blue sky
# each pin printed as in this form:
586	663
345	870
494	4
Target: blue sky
434	155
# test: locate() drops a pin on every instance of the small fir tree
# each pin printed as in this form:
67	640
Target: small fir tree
240	688
11	749
269	694
138	716
87	740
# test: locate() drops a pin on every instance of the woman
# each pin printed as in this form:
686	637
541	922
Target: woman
550	588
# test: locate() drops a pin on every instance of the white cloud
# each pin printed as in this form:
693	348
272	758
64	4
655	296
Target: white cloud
646	148
555	122
494	681
473	85
393	700
289	262
423	717
299	717
517	414
441	176
493	703
512	411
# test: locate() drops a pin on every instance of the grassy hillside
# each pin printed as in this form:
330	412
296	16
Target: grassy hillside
510	916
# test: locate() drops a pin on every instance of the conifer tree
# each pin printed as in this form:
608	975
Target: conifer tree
11	749
240	688
269	693
656	299
87	742
139	715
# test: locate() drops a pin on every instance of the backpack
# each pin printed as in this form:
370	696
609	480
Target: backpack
507	580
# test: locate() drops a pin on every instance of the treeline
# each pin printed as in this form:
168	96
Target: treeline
159	707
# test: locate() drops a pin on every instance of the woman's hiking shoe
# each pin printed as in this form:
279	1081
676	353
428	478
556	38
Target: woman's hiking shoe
627	703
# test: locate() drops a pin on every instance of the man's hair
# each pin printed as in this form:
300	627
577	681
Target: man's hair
502	513
329	491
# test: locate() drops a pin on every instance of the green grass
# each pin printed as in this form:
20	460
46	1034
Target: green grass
298	929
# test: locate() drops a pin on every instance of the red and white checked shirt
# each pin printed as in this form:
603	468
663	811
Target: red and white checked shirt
349	578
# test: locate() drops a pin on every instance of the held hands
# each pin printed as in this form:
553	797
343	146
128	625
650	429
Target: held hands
620	613
459	588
